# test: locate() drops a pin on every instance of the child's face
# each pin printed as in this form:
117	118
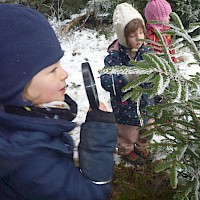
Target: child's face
167	19
47	85
133	39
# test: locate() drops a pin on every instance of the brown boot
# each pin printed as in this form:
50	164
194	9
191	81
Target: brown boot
133	158
144	153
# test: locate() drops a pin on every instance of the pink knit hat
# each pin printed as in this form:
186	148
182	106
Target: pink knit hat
157	10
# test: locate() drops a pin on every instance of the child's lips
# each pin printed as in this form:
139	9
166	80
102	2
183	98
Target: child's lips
63	89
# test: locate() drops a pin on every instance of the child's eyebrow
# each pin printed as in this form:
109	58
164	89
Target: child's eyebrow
52	68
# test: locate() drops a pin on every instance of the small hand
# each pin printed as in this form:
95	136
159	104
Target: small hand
100	115
101	107
181	59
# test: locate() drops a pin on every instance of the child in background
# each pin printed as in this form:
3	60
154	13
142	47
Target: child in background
36	151
129	27
159	10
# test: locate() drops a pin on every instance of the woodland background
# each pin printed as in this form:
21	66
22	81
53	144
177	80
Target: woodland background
178	120
101	11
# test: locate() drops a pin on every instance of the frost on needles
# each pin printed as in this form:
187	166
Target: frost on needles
177	117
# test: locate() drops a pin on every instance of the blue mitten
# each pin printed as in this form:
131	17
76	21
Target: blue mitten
98	140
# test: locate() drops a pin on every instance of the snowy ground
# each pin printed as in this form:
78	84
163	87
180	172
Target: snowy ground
84	46
88	46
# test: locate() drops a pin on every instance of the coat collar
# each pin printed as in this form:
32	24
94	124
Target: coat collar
50	126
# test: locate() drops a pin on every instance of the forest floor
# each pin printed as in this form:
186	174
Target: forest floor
140	183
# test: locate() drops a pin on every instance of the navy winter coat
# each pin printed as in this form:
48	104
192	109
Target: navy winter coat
36	159
125	112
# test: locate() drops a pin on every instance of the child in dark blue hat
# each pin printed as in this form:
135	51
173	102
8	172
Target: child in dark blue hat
36	151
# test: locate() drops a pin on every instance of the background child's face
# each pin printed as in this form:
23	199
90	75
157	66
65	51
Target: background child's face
134	37
47	85
167	19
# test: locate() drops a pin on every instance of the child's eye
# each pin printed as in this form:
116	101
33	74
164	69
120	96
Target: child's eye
53	70
132	36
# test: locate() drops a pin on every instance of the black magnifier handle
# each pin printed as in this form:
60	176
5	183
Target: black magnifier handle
90	86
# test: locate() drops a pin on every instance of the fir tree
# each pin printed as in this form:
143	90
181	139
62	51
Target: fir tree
188	10
177	117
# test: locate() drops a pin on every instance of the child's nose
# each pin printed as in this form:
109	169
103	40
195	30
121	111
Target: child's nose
137	37
63	74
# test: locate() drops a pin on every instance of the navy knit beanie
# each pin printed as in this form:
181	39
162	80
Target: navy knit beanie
28	44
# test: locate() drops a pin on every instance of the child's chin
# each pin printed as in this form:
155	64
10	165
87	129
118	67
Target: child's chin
63	98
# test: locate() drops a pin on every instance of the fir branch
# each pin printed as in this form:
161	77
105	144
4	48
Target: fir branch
185	92
184	34
160	85
125	70
181	152
163	166
195	103
155	44
178	91
174	176
141	65
196	38
166	82
141	79
159	63
194	116
176	42
133	95
168	68
194	154
165	49
193	27
177	20
185	123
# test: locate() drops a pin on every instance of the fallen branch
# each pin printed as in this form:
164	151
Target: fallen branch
75	22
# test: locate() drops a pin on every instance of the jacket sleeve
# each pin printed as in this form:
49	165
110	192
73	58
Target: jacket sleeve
45	168
168	40
113	83
97	146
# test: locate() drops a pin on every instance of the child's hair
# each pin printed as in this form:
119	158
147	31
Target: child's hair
133	26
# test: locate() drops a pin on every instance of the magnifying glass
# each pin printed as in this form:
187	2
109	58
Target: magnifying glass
90	86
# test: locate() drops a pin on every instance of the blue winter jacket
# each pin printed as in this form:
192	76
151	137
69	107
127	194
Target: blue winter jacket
125	112
36	159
